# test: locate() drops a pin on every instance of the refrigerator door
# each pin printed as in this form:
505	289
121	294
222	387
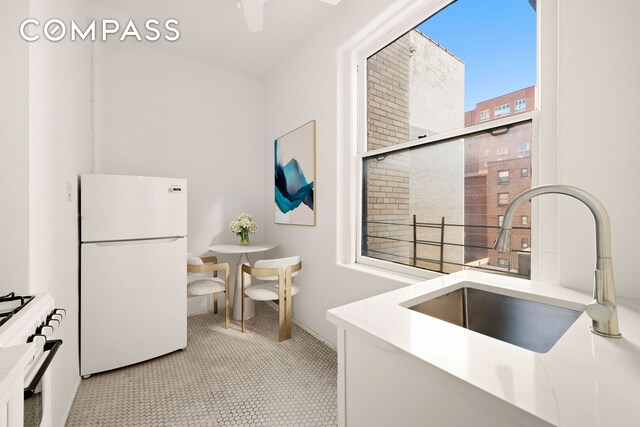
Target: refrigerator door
133	303
117	207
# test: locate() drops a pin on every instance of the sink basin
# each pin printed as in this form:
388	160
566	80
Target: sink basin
528	324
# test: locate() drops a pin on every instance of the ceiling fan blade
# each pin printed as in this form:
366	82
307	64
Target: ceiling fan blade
253	14
333	2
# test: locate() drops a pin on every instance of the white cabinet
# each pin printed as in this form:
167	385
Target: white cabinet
381	385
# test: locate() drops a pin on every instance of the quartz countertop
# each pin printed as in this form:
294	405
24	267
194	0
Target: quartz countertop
584	380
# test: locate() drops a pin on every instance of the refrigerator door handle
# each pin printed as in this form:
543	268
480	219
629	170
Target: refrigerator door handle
137	241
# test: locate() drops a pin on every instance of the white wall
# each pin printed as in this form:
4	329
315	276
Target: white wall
598	141
163	115
596	138
302	88
59	150
14	150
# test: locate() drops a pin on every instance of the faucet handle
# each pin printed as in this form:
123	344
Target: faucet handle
600	312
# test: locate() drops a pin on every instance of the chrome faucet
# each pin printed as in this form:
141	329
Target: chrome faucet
603	309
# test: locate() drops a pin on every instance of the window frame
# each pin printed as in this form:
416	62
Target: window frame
503	179
352	58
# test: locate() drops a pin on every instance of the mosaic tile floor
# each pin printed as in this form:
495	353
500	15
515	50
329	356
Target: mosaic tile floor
222	378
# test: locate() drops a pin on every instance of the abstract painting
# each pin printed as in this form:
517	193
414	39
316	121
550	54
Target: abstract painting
295	176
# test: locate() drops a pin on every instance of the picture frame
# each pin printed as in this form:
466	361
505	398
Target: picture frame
295	176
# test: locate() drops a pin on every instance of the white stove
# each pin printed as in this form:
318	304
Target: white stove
33	319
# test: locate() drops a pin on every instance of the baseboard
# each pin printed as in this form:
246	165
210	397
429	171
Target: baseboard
311	332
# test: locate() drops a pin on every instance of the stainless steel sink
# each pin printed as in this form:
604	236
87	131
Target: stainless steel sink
528	324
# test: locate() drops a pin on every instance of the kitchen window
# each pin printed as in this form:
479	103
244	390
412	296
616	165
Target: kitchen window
430	154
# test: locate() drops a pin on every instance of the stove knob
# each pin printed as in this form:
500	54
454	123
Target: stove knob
54	323
60	311
57	317
39	340
46	330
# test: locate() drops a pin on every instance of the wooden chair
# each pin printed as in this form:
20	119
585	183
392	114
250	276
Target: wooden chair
279	286
211	285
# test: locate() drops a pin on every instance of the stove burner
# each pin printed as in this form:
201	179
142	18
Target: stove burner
10	304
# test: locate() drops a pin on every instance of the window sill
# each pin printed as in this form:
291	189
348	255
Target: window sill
400	278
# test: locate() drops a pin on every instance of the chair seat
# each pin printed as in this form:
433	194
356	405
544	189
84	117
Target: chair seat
205	286
267	291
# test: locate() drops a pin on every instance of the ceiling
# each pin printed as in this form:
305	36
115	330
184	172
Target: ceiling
214	31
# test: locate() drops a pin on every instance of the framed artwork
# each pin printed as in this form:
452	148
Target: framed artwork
295	176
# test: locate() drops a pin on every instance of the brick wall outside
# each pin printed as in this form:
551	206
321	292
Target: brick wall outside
416	87
387	180
516	185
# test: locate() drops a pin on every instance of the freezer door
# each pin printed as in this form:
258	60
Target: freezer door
133	304
116	207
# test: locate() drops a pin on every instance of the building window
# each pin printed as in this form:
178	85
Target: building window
524	220
524	243
440	188
503	262
524	172
502	110
500	220
520	105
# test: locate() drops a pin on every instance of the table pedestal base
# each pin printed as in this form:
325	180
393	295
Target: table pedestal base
249	304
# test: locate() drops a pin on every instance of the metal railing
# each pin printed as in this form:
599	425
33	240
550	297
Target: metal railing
415	243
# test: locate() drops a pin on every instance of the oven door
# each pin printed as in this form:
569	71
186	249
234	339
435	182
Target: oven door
35	386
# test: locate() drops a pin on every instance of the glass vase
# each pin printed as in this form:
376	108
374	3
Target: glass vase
244	237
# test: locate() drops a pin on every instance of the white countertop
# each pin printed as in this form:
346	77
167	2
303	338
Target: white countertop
584	380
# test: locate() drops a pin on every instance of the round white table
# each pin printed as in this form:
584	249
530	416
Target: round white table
243	251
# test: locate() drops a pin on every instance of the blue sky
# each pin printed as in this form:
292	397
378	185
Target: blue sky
496	39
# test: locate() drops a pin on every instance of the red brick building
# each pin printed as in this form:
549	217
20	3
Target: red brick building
512	103
497	169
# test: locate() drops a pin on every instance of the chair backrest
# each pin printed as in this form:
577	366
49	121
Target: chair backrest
277	263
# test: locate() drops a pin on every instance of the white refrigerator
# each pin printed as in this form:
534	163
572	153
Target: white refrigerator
133	237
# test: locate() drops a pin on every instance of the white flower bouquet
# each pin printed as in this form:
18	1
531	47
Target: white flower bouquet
242	226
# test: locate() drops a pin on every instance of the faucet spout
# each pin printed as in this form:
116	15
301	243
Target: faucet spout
602	310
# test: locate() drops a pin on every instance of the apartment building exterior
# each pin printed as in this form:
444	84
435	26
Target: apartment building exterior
497	169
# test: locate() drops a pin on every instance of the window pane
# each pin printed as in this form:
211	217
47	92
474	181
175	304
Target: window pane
438	77
437	206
